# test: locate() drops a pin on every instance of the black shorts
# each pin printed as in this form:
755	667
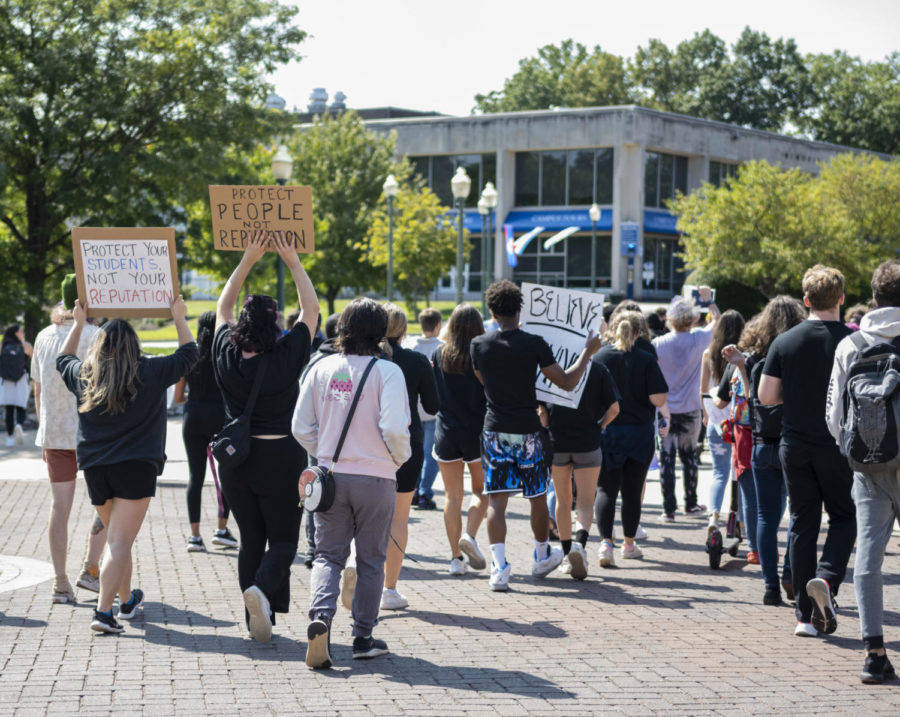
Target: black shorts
131	480
408	474
452	445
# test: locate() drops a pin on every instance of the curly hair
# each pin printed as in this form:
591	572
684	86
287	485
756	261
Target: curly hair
781	313
362	326
503	298
257	328
726	331
464	325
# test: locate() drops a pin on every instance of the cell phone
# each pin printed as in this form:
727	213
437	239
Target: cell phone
693	293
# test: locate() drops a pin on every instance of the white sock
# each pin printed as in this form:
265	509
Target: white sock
541	549
498	550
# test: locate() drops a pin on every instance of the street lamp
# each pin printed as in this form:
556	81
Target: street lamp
484	210
390	188
282	166
594	213
489	194
459	186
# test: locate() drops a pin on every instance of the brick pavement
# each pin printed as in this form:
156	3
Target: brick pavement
665	635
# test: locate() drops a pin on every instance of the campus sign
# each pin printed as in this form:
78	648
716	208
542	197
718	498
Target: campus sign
238	212
125	272
563	317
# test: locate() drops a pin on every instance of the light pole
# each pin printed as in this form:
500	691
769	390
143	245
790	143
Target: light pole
390	188
483	210
282	166
459	186
594	213
489	195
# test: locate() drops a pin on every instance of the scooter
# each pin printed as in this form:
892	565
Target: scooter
715	544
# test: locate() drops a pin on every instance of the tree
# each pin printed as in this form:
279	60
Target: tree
424	242
118	113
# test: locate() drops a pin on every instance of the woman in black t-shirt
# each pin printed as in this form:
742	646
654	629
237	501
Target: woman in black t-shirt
628	440
262	491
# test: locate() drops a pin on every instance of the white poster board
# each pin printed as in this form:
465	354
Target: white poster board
563	317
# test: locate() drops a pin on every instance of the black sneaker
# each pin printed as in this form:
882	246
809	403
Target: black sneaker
426	504
128	609
824	617
224	538
368	647
318	654
772	596
106	623
877	669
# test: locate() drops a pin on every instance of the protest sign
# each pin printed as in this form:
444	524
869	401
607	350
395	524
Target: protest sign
238	212
125	272
563	317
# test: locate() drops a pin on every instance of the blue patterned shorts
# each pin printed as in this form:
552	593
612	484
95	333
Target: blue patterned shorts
514	462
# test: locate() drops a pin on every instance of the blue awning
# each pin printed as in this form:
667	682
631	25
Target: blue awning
471	220
553	220
659	222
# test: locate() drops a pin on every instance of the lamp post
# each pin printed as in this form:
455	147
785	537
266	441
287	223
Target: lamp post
390	188
489	195
594	213
483	210
282	166
459	186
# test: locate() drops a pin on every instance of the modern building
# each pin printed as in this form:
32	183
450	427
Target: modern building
549	167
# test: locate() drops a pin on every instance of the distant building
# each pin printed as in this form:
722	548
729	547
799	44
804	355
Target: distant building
318	106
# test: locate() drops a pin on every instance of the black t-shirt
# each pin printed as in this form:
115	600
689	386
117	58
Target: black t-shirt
578	429
645	345
637	376
462	397
419	385
274	407
508	362
802	358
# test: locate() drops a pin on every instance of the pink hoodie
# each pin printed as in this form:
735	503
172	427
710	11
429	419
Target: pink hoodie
377	442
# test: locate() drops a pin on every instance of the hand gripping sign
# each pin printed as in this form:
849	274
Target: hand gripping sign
238	212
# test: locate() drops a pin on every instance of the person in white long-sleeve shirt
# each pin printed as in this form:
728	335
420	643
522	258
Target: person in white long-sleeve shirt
377	444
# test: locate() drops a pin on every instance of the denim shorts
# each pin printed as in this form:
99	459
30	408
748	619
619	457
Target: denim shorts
514	462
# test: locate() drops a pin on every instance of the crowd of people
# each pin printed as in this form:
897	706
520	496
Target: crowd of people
788	400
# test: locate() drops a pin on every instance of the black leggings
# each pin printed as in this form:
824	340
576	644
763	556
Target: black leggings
629	479
201	423
14	415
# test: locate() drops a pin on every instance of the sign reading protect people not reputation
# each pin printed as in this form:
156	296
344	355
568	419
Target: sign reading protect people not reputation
563	317
239	212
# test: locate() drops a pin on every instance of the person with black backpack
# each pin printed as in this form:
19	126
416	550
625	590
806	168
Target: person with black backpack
863	415
14	385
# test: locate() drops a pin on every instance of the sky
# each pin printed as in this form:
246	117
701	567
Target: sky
420	54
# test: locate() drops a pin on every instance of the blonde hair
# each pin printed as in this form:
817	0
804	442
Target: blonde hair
396	326
625	329
110	369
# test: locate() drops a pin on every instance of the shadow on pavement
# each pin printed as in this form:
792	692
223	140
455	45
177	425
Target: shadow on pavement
281	648
542	628
158	612
16	621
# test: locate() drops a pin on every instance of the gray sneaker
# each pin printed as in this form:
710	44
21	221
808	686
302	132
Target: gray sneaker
88	580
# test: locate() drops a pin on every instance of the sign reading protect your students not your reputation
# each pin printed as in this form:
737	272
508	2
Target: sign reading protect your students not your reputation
125	272
563	317
239	212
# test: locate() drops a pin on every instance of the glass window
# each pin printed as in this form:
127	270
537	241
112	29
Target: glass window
488	170
604	176
666	176
720	171
581	177
663	175
421	166
681	167
553	178
527	176
651	180
441	173
472	164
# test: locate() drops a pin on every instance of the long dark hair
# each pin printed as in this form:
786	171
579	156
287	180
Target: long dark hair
464	325
257	329
726	331
10	335
202	373
110	369
781	313
362	326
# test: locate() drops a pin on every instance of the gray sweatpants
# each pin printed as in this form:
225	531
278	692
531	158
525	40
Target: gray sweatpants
877	498
363	509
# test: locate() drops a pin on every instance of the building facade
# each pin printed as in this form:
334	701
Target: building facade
549	167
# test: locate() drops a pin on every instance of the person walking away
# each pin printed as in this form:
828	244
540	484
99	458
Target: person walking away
121	439
14	384
57	412
204	416
262	490
628	441
430	322
420	385
796	374
514	454
679	353
365	475
457	442
876	486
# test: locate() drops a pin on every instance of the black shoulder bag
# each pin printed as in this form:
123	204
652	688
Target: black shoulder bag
316	486
231	445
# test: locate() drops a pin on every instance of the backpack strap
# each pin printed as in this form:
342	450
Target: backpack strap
858	340
362	382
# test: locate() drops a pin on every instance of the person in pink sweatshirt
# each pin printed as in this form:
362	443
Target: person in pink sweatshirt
377	444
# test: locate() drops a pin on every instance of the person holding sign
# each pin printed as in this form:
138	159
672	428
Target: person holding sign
262	490
121	438
514	453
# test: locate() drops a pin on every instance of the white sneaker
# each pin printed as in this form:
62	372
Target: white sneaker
469	548
565	567
348	586
458	567
640	533
805	629
20	435
542	568
499	581
631	552
258	608
607	555
393	600
578	560
10	441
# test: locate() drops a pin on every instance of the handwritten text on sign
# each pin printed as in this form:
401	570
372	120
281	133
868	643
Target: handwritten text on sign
563	317
239	212
130	275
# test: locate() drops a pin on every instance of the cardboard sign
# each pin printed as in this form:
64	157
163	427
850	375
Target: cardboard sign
563	317
238	212
125	273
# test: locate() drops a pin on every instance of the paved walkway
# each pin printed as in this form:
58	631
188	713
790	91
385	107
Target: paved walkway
665	635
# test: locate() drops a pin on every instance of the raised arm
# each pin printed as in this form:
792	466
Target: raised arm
706	295
306	294
568	379
253	252
179	314
71	344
